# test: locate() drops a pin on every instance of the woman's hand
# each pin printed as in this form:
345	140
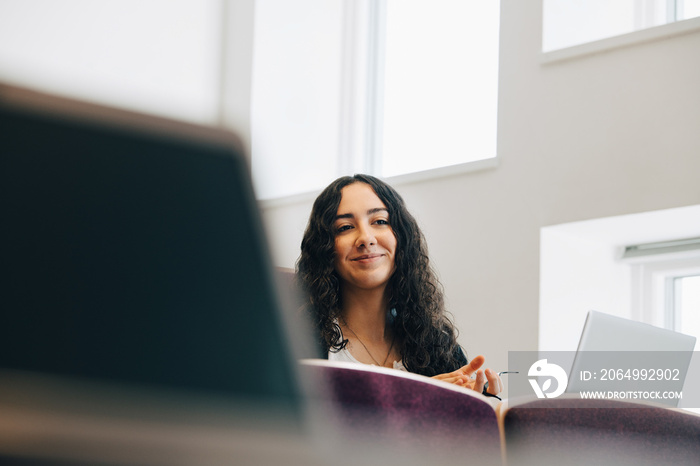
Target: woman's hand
472	377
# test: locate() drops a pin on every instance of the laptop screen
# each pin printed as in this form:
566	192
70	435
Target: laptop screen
613	348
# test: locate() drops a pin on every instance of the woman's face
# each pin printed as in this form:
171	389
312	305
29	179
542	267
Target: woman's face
365	244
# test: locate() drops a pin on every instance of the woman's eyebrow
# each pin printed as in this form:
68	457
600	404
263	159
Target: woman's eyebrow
369	212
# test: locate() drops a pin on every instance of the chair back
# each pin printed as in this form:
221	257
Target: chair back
567	431
406	410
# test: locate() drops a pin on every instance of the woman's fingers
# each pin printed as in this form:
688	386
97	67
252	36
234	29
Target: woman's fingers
473	366
479	381
495	383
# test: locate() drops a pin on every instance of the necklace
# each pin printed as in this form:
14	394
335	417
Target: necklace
365	346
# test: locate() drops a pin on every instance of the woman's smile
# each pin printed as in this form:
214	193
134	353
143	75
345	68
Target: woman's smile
368	258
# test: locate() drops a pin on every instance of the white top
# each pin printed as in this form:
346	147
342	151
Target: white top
345	356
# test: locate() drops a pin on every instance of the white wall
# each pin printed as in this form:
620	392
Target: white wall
602	135
578	274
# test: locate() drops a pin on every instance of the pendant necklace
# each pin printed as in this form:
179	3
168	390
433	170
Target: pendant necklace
365	346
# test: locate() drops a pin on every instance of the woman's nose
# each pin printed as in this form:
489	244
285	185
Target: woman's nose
365	237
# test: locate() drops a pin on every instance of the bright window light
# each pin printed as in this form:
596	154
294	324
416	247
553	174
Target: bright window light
687	304
691	9
441	84
296	96
567	23
157	56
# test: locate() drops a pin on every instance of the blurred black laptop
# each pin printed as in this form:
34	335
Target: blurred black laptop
136	272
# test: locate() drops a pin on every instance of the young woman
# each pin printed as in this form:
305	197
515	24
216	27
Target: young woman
373	297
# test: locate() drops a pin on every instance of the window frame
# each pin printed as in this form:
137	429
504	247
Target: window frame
653	290
672	295
364	32
671	29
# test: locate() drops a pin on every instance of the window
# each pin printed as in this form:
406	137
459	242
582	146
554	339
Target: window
440	84
160	56
386	87
666	282
295	102
685	303
567	23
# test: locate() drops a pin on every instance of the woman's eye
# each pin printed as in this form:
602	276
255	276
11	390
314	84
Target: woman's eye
381	221
343	228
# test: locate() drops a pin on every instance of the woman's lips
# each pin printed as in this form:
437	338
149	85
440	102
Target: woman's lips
367	257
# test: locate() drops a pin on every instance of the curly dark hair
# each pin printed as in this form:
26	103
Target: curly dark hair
427	335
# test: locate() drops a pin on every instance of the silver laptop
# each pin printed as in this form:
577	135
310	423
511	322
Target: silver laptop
617	354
